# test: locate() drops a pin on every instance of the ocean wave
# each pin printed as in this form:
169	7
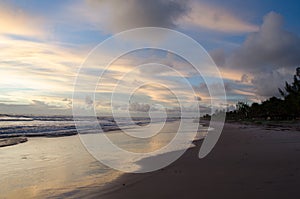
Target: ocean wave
23	125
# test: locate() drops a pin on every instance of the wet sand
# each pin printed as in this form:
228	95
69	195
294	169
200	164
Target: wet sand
12	141
49	168
247	162
61	167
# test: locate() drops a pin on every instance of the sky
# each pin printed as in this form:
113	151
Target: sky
254	43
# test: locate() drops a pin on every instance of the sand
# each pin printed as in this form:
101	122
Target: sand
49	168
247	162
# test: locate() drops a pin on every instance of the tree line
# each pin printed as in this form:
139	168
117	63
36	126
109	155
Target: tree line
285	108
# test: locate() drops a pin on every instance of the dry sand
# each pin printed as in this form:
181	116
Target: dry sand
247	162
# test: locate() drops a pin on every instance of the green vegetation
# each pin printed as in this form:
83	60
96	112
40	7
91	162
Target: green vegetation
285	108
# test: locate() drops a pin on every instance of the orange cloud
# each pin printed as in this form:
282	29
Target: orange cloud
14	21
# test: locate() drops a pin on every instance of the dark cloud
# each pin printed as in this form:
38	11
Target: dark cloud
39	103
204	109
268	56
218	55
266	84
197	98
138	107
270	48
245	78
68	102
123	15
173	110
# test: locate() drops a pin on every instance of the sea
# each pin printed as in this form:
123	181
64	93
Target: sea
55	163
24	125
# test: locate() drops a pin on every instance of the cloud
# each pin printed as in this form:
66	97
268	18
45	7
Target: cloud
88	101
270	48
33	104
37	66
14	21
36	107
139	107
116	16
264	61
203	109
214	18
218	55
39	103
198	98
266	84
245	78
34	70
216	87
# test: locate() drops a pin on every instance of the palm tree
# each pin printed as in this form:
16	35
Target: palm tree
291	95
243	109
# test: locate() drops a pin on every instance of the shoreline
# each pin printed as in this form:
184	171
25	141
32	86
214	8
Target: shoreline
5	142
271	125
247	162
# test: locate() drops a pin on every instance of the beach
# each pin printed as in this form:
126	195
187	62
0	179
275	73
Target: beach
247	162
128	99
48	167
61	167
